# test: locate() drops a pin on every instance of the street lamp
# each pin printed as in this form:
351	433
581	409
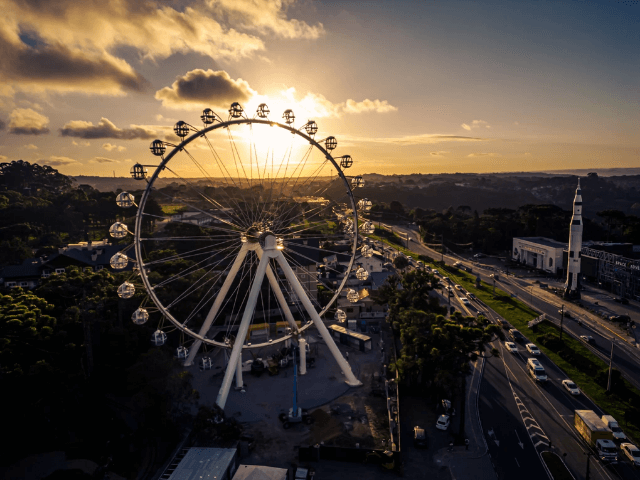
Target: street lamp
610	365
561	319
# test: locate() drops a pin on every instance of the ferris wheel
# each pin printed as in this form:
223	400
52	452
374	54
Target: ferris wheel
244	237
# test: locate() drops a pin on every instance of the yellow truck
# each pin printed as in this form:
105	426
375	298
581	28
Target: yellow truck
596	434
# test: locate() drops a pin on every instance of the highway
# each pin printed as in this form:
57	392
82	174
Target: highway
521	418
626	358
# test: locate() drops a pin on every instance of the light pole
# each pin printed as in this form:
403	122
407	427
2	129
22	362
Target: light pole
610	366
561	319
531	291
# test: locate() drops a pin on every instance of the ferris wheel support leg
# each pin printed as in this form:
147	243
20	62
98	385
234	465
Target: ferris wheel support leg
303	356
281	300
239	382
326	336
216	304
243	329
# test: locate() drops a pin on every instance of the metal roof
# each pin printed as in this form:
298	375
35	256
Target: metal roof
204	463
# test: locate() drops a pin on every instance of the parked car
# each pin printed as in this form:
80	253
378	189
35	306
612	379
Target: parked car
571	387
511	347
566	313
631	452
443	422
588	339
532	349
419	437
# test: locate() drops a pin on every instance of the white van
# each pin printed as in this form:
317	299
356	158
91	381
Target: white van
611	422
536	370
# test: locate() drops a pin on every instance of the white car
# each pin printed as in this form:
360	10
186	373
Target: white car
459	287
571	387
443	422
511	347
465	301
632	452
532	349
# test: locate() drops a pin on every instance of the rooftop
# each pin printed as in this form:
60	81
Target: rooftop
547	242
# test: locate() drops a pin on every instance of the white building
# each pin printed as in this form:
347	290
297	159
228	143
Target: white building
539	252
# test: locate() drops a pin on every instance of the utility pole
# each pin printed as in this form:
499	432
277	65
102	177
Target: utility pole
442	249
610	366
588	458
561	319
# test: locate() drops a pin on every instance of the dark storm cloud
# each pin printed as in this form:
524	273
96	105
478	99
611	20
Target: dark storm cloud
105	129
55	66
2	124
205	87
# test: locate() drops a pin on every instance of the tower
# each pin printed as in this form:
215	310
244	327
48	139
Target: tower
572	286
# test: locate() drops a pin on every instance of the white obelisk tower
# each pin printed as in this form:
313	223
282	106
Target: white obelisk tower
572	287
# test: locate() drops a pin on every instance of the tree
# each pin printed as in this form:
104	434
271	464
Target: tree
396	207
400	262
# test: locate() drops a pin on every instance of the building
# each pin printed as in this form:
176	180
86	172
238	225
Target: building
259	472
91	256
539	253
197	463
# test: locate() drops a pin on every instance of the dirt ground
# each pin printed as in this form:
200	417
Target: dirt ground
358	417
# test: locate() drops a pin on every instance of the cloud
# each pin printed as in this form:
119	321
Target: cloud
31	146
516	123
351	106
56	161
422	139
265	16
26	121
105	129
439	154
80	144
102	160
475	124
78	45
316	105
2	125
3	158
59	67
484	155
108	147
205	88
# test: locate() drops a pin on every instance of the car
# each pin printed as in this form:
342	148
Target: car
588	339
571	387
465	301
511	347
457	264
435	272
479	255
459	288
443	422
446	279
631	452
506	325
566	313
623	301
532	349
516	335
419	437
619	318
471	296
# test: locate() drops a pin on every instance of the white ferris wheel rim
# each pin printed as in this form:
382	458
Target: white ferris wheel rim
164	310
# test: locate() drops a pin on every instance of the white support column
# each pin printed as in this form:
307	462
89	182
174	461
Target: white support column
303	356
273	281
326	336
239	382
244	326
216	304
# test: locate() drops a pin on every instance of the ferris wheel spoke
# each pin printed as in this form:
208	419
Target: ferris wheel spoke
208	227
187	239
206	198
323	250
183	255
181	275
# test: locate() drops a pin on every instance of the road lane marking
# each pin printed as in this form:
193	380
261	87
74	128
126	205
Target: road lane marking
517	462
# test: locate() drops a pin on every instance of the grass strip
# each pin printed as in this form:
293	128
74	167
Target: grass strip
556	466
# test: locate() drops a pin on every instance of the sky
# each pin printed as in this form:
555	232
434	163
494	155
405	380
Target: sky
428	86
